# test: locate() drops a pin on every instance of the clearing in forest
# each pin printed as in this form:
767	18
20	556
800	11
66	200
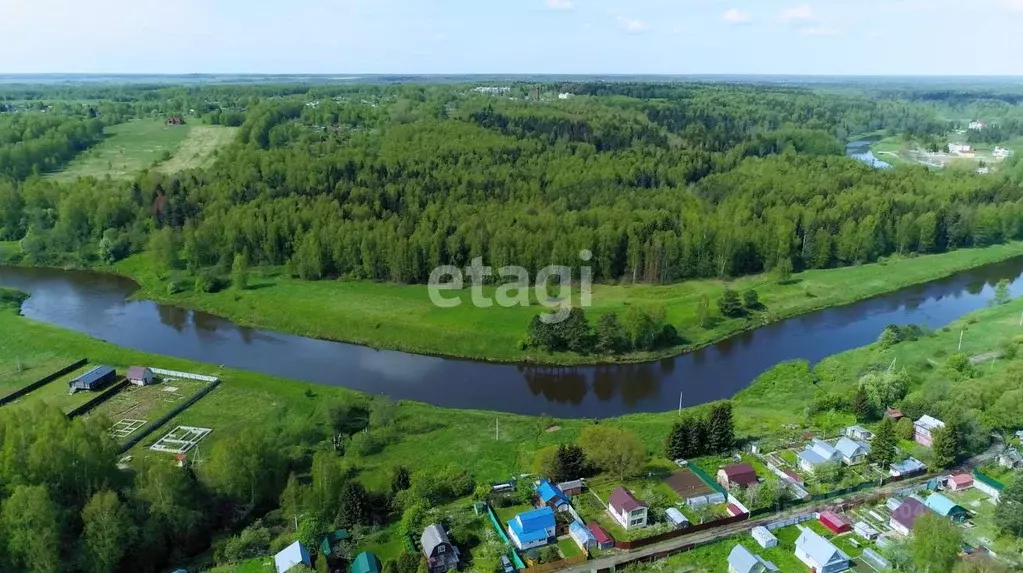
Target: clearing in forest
139	144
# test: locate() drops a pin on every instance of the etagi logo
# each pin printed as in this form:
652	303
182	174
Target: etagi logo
514	292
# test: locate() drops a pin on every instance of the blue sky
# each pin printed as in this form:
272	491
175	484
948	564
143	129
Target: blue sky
961	37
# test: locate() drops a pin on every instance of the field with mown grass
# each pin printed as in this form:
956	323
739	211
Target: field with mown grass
130	147
402	317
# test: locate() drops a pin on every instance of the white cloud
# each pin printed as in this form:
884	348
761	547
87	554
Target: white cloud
736	16
632	25
801	13
559	4
1013	5
819	31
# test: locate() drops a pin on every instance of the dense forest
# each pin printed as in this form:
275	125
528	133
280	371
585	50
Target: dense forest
662	182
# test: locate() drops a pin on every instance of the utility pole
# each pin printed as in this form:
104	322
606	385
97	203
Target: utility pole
961	339
1021	319
497	429
680	403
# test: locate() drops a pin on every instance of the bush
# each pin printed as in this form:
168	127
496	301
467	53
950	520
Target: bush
253	541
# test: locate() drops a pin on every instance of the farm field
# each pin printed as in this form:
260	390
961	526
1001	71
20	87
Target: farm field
147	402
351	311
138	144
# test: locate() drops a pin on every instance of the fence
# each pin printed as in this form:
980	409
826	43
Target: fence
711	482
790	521
516	560
637	543
166	417
987	484
42	382
188	375
106	395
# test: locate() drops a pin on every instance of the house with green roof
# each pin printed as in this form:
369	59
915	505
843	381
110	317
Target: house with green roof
945	507
365	562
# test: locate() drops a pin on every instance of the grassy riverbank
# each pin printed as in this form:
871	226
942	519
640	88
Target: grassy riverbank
402	317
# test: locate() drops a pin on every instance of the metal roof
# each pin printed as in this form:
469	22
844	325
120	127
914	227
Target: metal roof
366	562
548	492
850	448
819	549
741	560
622	499
942	505
433	536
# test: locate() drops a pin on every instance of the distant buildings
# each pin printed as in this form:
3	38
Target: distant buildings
566	96
960	149
1001	152
492	90
628	511
924	428
977	125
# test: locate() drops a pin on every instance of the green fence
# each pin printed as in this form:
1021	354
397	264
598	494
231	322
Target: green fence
981	476
707	479
516	560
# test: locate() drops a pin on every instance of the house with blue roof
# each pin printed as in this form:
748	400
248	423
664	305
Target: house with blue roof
816	454
852	451
819	554
532	528
551	496
945	507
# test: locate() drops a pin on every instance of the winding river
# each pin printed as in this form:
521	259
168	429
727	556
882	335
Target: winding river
97	305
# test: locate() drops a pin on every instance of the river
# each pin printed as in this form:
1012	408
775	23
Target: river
861	150
97	305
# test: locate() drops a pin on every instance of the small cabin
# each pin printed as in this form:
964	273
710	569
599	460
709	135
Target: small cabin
140	376
93	380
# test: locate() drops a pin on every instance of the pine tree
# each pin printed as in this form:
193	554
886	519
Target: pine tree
401	479
696	439
861	405
675	442
354	508
722	429
882	449
729	303
946	446
572	461
1009	512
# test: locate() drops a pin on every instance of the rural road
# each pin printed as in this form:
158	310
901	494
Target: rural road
726	531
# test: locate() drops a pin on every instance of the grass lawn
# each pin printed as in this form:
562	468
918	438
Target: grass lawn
368	313
138	144
56	393
147	402
254	565
568	547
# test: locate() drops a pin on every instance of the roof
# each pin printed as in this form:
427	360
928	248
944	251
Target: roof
929	422
622	499
599	534
833	521
819	549
138	372
865	528
851	448
894	413
823	449
365	562
742	474
961	479
675	516
548	493
908	465
858	430
532	525
907	513
433	536
742	561
943	506
93	375
811	457
762	533
793	476
572	484
290	556
735	509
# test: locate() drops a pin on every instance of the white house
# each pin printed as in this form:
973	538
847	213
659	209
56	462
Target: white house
1001	152
817	453
764	537
291	556
628	511
977	125
924	429
565	95
532	528
819	554
741	560
852	451
859	433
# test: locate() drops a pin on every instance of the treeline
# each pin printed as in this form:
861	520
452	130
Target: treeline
37	143
641	330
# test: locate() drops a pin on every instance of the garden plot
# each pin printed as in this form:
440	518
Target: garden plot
148	402
180	439
125	427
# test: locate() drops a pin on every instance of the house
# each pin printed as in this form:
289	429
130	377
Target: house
834	522
819	554
1011	459
740	560
737	475
291	556
817	453
906	515
924	428
945	507
893	503
852	451
907	468
959	482
1001	152
93	380
959	149
894	414
573	487
140	376
532	528
764	537
628	511
441	555
582	536
859	433
551	496
864	530
565	95
977	125
604	540
675	517
365	562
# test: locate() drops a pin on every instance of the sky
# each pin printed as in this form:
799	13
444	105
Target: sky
828	37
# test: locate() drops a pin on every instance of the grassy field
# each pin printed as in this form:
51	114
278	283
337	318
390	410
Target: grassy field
402	317
136	145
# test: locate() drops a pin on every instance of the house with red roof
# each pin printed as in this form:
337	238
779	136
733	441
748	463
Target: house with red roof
906	514
737	475
959	482
604	539
834	522
628	511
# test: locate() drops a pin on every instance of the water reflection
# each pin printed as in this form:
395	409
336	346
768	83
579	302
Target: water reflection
95	305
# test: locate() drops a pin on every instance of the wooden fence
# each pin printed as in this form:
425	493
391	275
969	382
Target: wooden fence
42	382
555	565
